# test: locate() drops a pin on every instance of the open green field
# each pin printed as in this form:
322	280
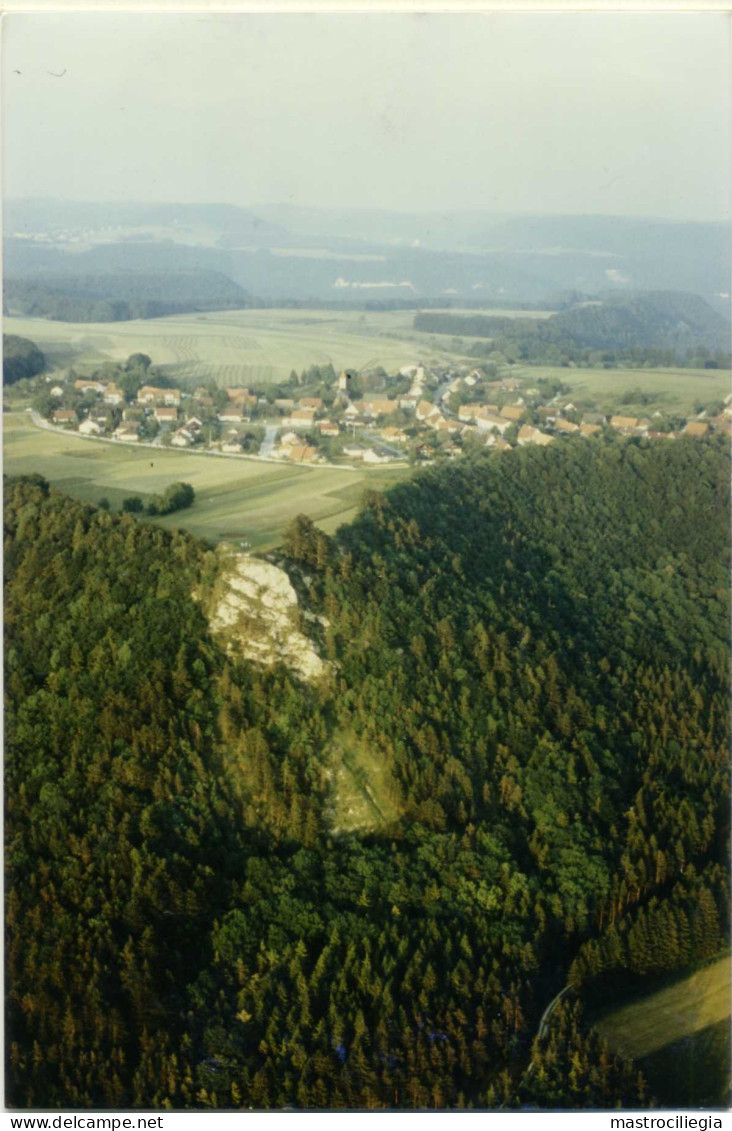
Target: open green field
686	1007
238	347
673	390
236	499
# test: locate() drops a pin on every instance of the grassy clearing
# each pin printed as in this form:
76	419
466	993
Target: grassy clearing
236	499
672	1014
673	390
363	790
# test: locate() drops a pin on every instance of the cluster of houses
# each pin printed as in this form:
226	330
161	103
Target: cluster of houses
161	405
438	413
540	423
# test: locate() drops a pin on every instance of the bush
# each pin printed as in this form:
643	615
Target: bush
176	497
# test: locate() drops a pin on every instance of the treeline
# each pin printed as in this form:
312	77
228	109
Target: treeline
534	646
123	296
127	295
21	359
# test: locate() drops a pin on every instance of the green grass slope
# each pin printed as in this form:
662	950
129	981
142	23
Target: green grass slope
680	1035
689	1006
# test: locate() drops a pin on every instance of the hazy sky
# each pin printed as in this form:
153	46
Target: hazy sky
565	113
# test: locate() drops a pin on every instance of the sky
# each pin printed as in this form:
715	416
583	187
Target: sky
564	113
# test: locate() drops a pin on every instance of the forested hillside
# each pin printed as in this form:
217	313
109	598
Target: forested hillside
119	297
627	328
535	645
661	319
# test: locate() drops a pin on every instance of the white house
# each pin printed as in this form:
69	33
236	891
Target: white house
113	395
128	433
487	423
166	415
353	451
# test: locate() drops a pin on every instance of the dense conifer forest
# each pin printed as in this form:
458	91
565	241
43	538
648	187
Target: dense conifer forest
535	645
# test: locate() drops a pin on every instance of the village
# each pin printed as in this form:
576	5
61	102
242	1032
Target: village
417	415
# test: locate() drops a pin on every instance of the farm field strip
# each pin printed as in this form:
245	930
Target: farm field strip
672	390
670	1014
221	348
253	497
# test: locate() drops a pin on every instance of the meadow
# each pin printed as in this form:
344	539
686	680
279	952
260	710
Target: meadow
670	390
680	1035
237	499
686	1007
249	347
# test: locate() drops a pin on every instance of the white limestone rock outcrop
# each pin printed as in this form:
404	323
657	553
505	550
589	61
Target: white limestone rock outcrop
258	613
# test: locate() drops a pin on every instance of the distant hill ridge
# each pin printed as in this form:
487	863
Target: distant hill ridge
282	251
673	319
122	295
46	213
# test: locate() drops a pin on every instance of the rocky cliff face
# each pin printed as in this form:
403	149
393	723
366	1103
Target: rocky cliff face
258	614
